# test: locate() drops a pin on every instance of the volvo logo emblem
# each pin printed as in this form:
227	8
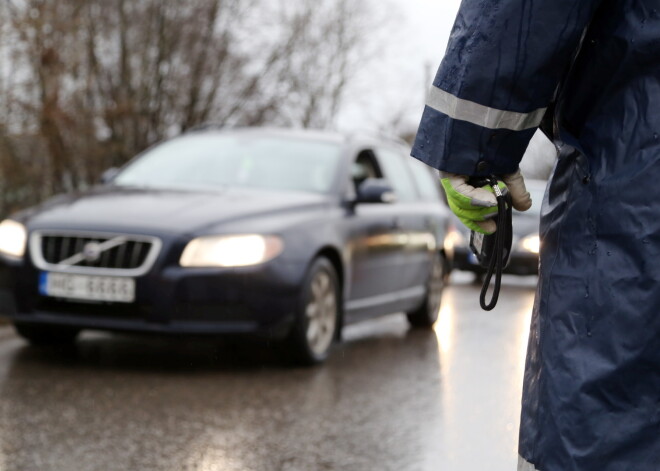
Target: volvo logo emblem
92	252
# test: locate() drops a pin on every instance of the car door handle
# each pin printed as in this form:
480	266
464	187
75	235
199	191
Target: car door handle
396	223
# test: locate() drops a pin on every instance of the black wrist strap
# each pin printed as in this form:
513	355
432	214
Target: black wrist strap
497	261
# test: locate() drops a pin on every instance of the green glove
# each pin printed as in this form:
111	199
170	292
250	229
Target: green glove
476	207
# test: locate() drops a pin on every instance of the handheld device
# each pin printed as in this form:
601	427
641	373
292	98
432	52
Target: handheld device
493	250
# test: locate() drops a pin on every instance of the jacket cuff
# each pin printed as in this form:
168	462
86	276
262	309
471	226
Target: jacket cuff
464	148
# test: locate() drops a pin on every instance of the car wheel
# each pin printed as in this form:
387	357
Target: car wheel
44	334
317	318
448	268
426	314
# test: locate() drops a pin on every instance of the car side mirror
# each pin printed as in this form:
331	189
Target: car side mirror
375	190
109	175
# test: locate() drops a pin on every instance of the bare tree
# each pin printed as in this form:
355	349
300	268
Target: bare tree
93	82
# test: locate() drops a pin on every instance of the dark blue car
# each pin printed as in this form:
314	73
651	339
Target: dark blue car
284	234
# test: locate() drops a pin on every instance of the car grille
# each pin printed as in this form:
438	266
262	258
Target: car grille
94	253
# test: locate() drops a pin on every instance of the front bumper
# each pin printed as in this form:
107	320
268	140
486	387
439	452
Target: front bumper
520	263
258	300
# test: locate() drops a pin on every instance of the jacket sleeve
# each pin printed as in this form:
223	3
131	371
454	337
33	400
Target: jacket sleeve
503	65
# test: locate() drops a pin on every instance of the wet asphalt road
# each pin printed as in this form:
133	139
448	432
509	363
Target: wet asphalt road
388	399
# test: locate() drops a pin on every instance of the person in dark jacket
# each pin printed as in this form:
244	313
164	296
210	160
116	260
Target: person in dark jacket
588	73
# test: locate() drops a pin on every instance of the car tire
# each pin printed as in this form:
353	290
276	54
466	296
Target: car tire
45	335
427	313
317	316
448	267
478	279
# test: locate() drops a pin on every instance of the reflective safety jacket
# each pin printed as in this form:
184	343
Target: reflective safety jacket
588	72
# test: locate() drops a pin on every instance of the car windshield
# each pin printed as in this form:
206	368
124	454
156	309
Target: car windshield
216	161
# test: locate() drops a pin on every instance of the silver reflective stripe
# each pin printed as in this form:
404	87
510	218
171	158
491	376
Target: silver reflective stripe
481	115
524	465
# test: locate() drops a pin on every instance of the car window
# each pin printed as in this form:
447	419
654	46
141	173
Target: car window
398	174
364	166
210	160
427	180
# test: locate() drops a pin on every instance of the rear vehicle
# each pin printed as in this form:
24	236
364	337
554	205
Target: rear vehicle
525	248
288	235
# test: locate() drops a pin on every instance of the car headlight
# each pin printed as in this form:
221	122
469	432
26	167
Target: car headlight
454	239
13	237
531	243
231	251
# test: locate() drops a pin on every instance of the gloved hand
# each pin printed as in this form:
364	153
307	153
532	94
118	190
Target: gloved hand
476	206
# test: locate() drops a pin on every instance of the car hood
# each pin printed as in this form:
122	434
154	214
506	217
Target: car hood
178	212
525	224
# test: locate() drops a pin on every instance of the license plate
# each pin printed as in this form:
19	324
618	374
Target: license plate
88	288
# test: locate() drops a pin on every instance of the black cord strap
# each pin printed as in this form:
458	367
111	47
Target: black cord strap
497	258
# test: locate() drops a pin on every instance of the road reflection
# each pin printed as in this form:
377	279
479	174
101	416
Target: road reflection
390	398
444	328
482	363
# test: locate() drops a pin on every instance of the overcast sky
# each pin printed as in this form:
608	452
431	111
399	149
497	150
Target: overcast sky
395	83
